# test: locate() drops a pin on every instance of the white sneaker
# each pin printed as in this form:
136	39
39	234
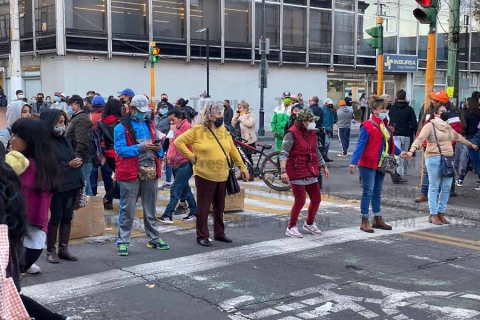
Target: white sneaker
34	269
166	220
293	232
477	188
459	183
311	228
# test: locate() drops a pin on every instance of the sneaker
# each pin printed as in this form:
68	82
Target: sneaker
190	217
107	205
159	244
166	186
34	269
311	228
477	182
165	220
293	232
477	188
122	250
459	183
180	210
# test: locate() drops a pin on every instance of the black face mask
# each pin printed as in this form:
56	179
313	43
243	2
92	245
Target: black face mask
165	100
39	100
218	123
445	115
123	100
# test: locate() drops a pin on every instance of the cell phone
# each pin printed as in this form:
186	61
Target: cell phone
157	141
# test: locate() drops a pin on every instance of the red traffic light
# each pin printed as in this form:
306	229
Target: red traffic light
424	3
155	51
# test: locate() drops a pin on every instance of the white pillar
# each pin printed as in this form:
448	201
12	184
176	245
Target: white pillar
16	82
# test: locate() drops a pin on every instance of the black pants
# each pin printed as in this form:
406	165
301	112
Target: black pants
37	311
113	192
364	111
61	207
31	256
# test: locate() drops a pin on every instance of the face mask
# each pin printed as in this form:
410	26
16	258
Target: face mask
48	100
122	100
445	115
59	130
311	126
287	101
33	101
218	123
40	100
140	116
58	99
165	100
163	111
20	97
382	115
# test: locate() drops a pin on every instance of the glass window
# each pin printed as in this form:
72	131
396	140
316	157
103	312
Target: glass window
25	13
327	4
297	2
4	21
408	37
475	46
390	35
463	46
169	19
44	17
422	41
272	24
348	5
294	28
364	22
442	46
237	22
344	36
321	31
205	14
87	16
129	18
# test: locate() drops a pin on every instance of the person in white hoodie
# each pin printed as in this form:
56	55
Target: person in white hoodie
15	111
281	115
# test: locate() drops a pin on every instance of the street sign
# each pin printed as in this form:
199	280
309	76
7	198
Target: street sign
450	91
400	63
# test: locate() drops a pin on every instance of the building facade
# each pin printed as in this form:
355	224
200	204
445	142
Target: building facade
317	47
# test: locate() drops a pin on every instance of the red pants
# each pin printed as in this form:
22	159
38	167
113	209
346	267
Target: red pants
300	194
210	192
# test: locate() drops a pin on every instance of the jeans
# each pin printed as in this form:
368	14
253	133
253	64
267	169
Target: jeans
180	188
327	143
436	182
344	137
424	189
106	176
86	171
168	173
402	143
372	182
474	158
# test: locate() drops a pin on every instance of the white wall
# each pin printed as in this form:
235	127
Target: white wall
233	81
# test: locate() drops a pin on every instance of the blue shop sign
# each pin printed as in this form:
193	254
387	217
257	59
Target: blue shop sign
400	63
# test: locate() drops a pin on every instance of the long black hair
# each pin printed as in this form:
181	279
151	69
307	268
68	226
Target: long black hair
473	106
40	149
113	107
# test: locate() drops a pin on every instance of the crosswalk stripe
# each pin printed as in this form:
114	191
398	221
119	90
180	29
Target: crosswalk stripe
440	236
452	243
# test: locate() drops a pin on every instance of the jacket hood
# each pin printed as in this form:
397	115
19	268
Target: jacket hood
343	109
49	118
109	120
400	104
281	109
14	111
439	126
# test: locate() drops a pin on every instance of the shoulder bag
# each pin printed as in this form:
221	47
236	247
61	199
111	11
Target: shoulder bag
232	184
447	164
389	164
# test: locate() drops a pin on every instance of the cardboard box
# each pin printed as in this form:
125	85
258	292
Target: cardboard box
234	203
89	221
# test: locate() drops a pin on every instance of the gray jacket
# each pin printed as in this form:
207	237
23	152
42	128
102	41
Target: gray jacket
344	115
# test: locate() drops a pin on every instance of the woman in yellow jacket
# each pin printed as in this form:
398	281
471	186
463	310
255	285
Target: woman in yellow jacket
210	169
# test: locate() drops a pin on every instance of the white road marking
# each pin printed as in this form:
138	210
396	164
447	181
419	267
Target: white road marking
471	296
263	313
99	282
231	304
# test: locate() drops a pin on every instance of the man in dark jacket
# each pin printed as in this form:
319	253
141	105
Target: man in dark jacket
402	121
318	112
80	131
228	115
3	99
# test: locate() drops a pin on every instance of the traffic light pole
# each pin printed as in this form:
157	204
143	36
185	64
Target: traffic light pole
261	126
453	38
380	60
430	72
152	86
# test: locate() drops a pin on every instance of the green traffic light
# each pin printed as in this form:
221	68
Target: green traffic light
377	38
154	59
375	32
425	15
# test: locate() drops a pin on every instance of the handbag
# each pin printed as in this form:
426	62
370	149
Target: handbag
11	305
147	173
389	164
232	184
81	199
447	164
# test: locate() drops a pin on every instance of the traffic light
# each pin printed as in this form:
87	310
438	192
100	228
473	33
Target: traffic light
427	14
154	54
377	36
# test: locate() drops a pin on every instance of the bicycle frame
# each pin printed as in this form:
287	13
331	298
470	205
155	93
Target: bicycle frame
239	145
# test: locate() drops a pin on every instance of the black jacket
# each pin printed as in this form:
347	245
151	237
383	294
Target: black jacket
105	129
228	116
318	111
72	178
80	132
472	121
402	119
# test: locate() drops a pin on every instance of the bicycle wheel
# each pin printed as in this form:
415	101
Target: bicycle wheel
270	172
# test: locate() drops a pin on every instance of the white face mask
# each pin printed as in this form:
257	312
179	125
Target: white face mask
311	126
20	97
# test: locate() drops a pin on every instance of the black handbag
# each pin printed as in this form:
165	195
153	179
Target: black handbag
447	163
232	184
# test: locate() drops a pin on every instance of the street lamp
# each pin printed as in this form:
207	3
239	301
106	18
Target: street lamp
208	58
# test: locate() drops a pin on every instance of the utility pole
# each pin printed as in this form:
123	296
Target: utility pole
261	127
453	39
16	82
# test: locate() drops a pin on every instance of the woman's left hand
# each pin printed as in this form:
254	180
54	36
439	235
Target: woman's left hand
245	175
326	172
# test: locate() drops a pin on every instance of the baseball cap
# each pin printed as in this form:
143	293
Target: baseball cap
127	91
60	94
328	101
286	94
306	115
98	102
440	95
342	103
75	99
140	102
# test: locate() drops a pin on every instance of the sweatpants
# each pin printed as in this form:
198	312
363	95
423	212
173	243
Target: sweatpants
128	199
300	194
344	137
31	256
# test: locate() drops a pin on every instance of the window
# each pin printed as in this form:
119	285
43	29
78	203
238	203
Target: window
169	19
364	22
205	14
408	37
86	17
237	22
129	19
327	4
44	17
321	31
348	5
25	13
272	24
294	28
4	21
344	37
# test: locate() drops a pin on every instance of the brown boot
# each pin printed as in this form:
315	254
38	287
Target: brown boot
51	240
378	223
365	226
421	198
441	216
435	219
64	237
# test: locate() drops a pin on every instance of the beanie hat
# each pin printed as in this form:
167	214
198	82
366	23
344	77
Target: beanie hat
342	103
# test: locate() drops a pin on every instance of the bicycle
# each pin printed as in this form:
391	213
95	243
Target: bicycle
269	171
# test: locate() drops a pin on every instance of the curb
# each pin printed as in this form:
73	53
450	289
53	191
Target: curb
407	204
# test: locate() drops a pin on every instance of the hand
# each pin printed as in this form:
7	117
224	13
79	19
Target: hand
352	169
285	178
475	147
194	160
75	163
245	175
406	155
326	172
275	134
152	147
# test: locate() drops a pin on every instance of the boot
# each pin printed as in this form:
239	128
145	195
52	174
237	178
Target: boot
435	219
51	240
421	198
441	216
397	179
378	223
365	226
64	237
